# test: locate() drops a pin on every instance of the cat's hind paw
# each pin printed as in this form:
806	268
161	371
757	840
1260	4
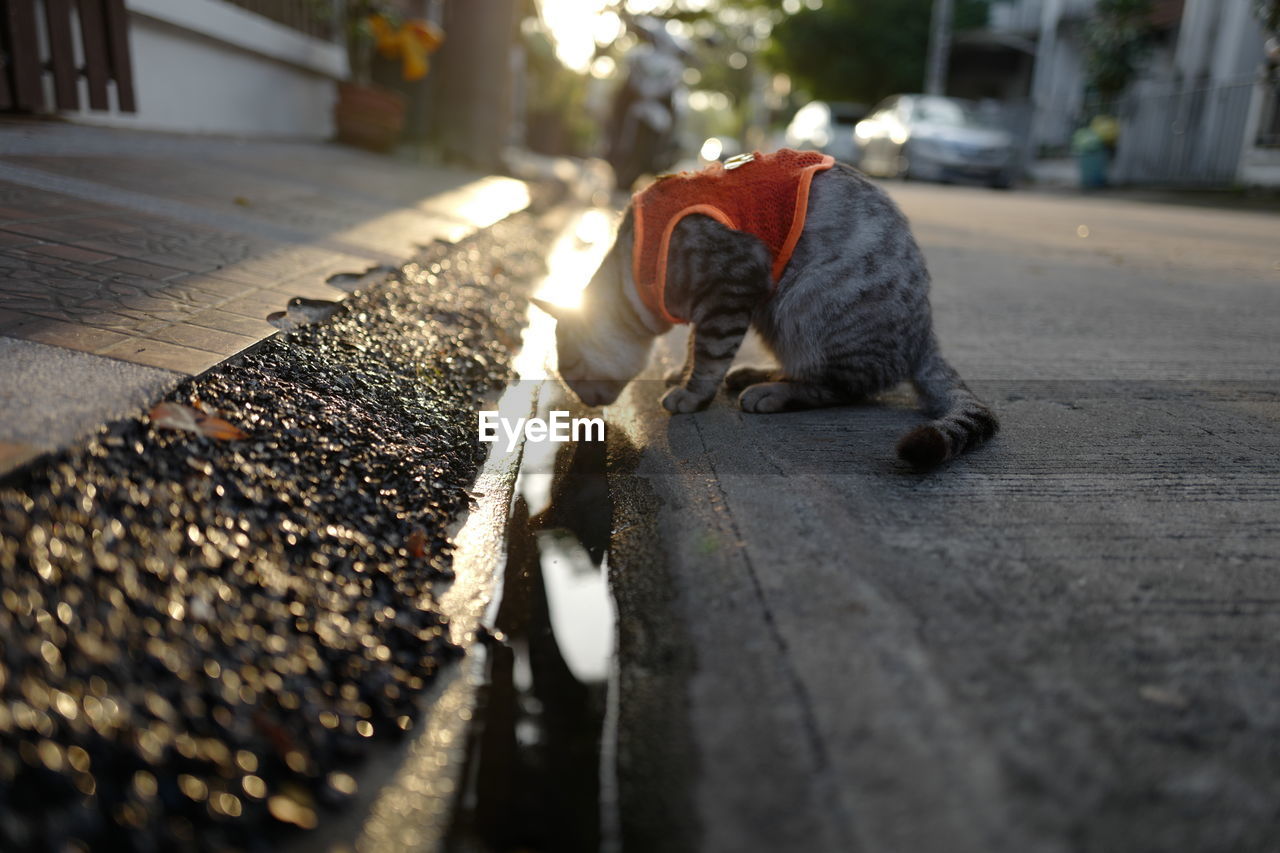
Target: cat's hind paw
767	397
681	401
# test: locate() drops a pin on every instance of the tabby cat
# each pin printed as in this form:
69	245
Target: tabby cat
849	317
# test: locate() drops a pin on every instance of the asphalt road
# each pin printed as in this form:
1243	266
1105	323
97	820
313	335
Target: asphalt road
1066	641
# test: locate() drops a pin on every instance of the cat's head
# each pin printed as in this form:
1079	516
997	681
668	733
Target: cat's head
601	345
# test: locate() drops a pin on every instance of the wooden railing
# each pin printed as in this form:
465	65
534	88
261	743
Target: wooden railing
26	57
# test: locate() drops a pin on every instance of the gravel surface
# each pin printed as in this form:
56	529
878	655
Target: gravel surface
198	637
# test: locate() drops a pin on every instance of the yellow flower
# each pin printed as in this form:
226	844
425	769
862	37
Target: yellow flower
411	42
384	36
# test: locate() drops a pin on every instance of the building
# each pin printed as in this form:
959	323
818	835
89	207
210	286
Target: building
253	68
245	68
1204	108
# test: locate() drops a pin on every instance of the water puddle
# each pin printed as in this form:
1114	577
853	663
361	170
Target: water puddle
539	773
540	770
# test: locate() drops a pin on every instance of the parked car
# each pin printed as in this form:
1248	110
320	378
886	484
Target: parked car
828	127
933	138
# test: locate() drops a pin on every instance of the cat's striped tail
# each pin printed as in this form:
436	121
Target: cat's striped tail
961	421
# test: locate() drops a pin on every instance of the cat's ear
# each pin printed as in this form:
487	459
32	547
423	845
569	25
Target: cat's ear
559	312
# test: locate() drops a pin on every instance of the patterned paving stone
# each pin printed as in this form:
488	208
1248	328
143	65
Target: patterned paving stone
170	252
175	357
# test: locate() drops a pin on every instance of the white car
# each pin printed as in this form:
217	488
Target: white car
827	127
933	138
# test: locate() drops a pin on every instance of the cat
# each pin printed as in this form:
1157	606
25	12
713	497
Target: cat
849	317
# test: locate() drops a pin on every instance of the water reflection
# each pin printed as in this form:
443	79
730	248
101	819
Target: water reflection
535	765
534	774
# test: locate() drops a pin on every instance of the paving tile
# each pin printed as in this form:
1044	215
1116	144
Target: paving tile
156	303
112	225
71	253
212	284
142	268
241	276
308	287
105	245
26	204
165	355
225	321
21	324
39	230
257	304
191	248
176	258
202	337
60	230
74	336
10	239
115	321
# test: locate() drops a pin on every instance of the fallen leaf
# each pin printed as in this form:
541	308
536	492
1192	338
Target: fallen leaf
180	417
417	543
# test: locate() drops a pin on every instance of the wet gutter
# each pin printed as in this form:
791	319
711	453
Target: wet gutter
422	803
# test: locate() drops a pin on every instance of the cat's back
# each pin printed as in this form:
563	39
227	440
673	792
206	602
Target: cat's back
855	231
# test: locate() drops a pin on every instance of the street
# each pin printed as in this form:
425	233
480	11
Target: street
330	521
1063	641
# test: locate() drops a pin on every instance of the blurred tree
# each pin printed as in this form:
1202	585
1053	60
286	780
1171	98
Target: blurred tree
862	50
558	121
1269	14
1118	37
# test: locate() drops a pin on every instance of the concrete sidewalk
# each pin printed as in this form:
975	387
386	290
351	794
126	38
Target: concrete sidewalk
1064	641
129	261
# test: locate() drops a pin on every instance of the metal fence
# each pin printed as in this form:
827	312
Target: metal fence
1269	120
319	18
1184	137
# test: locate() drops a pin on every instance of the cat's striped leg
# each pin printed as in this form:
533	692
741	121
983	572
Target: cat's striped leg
712	345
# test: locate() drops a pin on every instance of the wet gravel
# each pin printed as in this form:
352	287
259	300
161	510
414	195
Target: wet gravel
200	637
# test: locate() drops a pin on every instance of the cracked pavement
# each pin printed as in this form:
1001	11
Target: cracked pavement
1063	641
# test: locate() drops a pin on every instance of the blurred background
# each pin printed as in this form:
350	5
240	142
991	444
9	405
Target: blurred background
1162	92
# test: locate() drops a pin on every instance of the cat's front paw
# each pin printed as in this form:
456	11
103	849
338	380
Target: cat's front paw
681	401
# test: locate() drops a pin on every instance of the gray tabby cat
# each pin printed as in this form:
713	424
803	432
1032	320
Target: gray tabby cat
849	318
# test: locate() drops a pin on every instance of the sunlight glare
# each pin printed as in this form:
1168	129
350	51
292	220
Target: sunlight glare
575	25
574	257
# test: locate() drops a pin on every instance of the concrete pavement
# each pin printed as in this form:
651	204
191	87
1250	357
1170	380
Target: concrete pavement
131	260
1064	641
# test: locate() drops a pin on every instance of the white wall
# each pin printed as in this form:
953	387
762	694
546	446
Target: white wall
1220	40
1058	81
1016	16
204	66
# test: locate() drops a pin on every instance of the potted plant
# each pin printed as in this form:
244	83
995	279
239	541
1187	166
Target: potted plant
368	115
1118	39
1093	146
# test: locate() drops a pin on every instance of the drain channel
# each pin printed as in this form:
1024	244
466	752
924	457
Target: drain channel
540	766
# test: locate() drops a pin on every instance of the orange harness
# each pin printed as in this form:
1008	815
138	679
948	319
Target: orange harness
765	195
